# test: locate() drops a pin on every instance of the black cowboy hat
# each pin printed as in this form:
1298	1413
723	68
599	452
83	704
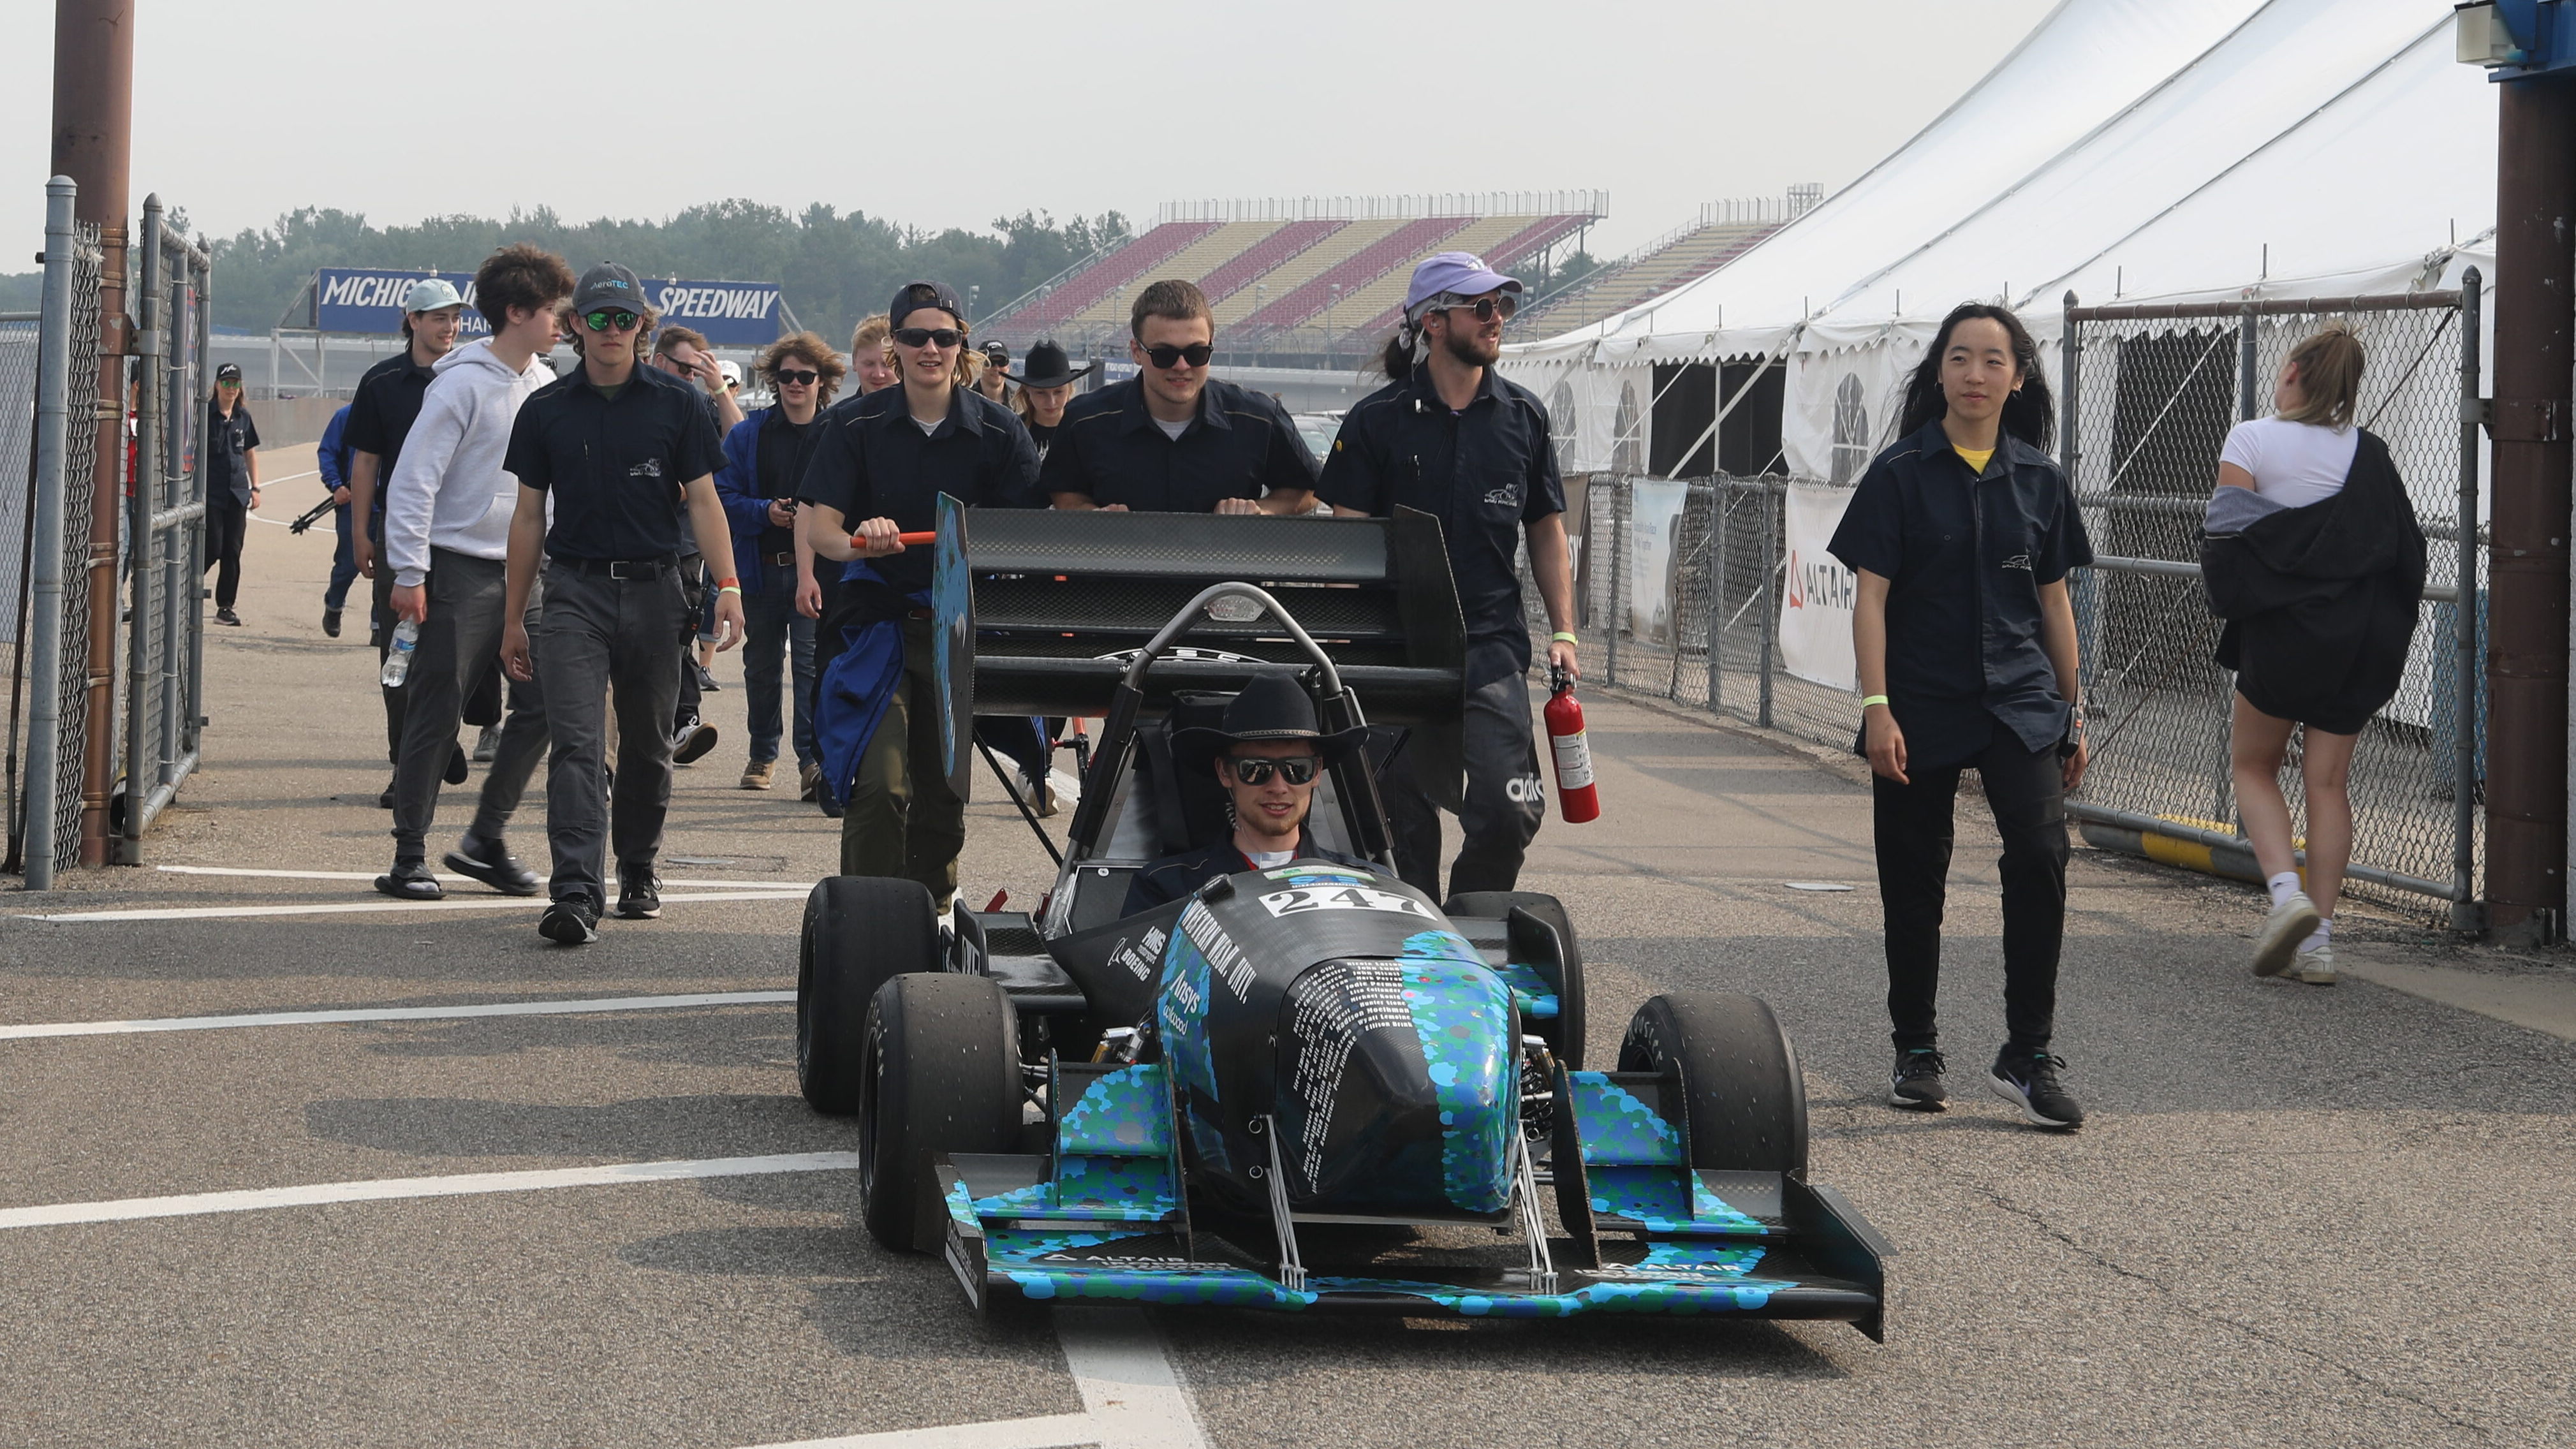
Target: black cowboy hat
1047	366
1271	707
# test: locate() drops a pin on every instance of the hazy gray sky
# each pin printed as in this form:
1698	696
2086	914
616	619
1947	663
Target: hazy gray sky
954	114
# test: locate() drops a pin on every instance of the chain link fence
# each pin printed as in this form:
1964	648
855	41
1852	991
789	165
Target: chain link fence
165	533
1682	583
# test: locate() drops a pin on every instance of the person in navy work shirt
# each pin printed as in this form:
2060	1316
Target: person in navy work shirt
1962	535
1172	439
619	449
1267	755
878	470
1451	437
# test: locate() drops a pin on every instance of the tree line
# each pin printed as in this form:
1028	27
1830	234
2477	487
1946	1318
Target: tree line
835	267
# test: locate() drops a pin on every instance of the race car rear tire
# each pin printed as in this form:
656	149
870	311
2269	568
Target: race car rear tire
1748	1105
939	1073
1564	1035
859	932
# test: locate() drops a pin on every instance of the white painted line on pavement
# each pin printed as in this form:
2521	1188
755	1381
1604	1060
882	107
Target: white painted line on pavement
246	871
392	1188
471	903
1128	1383
1055	1431
1132	1397
392	1013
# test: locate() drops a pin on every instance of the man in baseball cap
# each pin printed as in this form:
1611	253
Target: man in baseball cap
1454	438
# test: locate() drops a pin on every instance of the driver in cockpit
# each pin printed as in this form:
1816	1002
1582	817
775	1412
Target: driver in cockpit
1268	756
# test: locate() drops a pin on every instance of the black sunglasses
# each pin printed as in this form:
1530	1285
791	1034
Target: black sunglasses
1486	308
603	321
797	377
1196	354
1255	770
926	336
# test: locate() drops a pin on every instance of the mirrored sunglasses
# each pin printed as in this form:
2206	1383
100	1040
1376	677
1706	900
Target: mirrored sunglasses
1488	308
611	321
1256	770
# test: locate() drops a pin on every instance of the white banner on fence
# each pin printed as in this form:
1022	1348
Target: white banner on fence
1817	594
1654	521
1843	408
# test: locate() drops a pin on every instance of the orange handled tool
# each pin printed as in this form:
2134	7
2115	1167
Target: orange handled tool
908	540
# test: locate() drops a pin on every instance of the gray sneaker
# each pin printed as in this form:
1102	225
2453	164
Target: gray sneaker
2316	967
2291	922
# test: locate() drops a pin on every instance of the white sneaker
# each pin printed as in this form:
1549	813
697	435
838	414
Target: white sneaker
2316	967
2291	922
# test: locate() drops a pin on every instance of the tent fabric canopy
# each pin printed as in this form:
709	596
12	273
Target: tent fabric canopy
2167	149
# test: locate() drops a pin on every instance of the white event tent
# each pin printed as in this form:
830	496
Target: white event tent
2132	150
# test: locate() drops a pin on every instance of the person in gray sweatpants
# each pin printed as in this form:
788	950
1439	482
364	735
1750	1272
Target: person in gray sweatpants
447	516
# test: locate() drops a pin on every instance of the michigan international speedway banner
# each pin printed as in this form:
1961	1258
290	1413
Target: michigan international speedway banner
731	314
1817	593
1654	517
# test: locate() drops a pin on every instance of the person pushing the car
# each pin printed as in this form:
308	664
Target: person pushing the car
1268	756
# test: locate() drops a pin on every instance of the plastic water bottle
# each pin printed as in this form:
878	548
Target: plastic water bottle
398	658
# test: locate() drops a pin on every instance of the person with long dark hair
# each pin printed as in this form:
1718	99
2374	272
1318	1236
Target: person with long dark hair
1962	534
2313	556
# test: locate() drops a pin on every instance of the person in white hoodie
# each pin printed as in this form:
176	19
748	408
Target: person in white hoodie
447	538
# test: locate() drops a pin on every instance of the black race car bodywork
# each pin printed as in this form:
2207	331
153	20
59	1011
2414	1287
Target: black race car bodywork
1199	1103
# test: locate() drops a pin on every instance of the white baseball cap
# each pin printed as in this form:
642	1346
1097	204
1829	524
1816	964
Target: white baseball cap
430	294
730	370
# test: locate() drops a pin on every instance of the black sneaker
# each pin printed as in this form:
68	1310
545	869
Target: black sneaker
2028	1080
490	862
228	617
1916	1086
410	880
385	801
639	895
331	622
456	766
691	741
571	921
487	745
706	680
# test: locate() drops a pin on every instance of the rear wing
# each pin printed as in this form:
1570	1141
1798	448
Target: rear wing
1041	612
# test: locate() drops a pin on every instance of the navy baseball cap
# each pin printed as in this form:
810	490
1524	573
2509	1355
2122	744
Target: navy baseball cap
913	296
608	285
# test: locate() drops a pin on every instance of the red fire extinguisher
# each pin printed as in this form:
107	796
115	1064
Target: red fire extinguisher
1576	795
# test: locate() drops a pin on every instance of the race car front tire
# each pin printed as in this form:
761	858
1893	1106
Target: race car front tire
859	933
1565	1034
1748	1105
939	1073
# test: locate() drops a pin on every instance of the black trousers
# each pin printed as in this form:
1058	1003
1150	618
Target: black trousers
1488	773
1913	827
227	521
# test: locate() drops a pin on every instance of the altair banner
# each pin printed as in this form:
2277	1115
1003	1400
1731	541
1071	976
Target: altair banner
369	300
1817	593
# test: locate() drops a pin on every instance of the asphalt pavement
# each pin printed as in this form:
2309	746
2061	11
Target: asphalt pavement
499	1192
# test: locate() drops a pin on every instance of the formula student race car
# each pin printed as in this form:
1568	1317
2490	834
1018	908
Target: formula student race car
1238	1098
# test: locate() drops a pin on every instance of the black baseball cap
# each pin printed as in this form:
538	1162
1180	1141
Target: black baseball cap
608	285
913	296
228	372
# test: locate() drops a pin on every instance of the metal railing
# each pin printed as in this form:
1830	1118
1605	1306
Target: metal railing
46	834
166	532
2148	399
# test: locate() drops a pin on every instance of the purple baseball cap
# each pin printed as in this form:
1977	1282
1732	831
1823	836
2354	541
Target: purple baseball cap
1463	274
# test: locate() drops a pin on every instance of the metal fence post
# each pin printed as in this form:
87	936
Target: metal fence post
1770	595
44	643
1618	573
1717	490
2467	912
143	541
2085	586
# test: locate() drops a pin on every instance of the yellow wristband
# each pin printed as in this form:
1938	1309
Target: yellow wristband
730	589
1562	637
1867	700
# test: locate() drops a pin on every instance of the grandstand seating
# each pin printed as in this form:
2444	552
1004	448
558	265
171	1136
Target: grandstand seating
1274	251
1119	268
1231	239
1644	277
1406	244
1283	261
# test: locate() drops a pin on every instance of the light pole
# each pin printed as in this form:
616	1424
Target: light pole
1260	290
971	293
1329	310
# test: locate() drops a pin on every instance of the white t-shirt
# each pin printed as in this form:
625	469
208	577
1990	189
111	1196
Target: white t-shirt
1269	859
1173	431
2293	464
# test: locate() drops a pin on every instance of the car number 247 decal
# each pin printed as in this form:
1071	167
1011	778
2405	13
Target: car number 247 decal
1340	898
